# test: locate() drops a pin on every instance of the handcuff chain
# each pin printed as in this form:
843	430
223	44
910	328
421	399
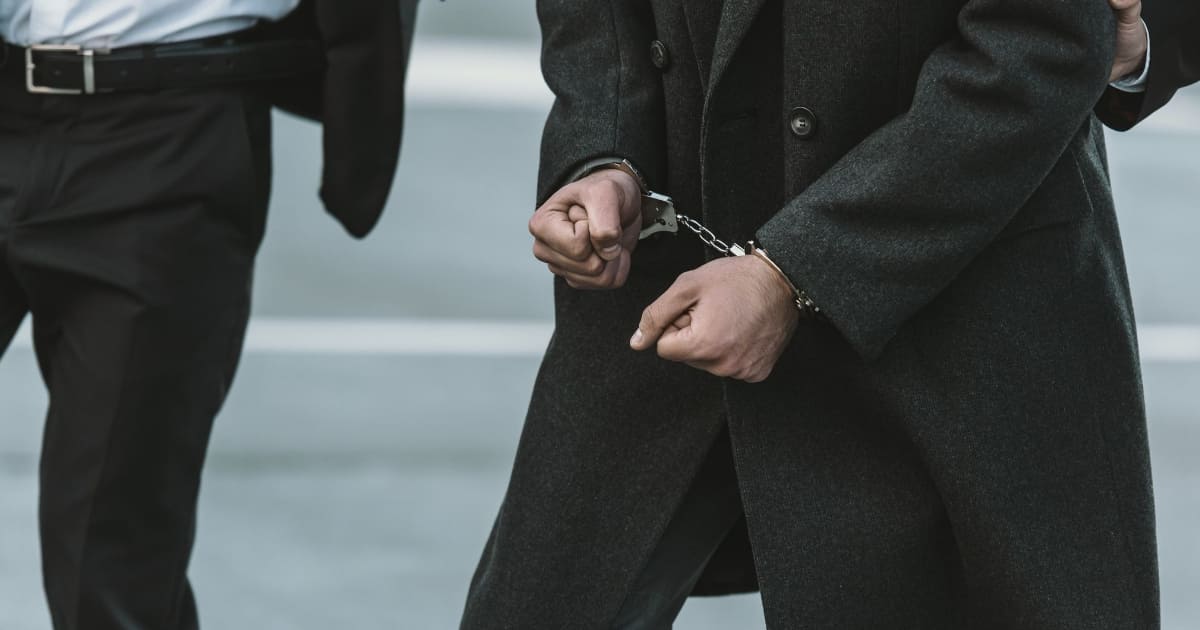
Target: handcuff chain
706	235
806	305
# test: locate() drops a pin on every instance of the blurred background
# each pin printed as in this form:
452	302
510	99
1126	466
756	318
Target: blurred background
357	467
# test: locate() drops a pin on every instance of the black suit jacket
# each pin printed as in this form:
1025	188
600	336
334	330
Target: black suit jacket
358	97
1174	27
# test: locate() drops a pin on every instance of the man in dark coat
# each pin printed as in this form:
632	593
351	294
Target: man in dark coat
956	438
1159	48
135	172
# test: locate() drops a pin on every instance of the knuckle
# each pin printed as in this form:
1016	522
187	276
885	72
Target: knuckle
685	282
605	232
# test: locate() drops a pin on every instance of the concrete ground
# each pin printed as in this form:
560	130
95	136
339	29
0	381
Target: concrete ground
357	466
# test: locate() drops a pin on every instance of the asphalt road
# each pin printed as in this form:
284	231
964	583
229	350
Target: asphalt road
352	486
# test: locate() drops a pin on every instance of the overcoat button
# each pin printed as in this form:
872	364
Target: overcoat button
659	55
803	123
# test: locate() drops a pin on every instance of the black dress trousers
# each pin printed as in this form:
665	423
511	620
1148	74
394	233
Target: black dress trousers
128	229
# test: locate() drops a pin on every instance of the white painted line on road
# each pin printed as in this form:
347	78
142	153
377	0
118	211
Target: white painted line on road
398	337
1167	343
353	336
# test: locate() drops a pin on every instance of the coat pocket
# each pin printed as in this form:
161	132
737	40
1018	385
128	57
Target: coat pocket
1062	198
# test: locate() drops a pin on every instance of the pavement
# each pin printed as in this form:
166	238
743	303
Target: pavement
357	467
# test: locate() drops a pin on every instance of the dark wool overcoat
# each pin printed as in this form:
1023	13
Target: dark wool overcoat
962	443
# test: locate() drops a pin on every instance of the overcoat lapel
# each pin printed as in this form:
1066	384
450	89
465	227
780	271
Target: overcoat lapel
703	18
737	17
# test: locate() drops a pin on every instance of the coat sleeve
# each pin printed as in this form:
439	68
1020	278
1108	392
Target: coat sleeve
896	219
608	95
366	53
1174	63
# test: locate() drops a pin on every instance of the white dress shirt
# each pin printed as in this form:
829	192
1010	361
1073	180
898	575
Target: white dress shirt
116	23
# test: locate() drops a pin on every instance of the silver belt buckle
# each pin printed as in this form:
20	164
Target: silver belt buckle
89	69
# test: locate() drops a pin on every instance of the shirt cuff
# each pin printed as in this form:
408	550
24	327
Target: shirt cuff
1136	84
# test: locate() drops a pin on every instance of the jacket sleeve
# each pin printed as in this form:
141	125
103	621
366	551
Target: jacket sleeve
890	225
608	95
1174	63
366	51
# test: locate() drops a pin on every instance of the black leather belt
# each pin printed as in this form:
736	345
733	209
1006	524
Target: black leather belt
214	61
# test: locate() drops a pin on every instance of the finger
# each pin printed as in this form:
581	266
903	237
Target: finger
567	196
614	274
678	343
557	231
1128	11
580	281
591	266
659	316
603	200
621	267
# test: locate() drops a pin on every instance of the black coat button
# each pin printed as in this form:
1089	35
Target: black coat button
659	55
803	123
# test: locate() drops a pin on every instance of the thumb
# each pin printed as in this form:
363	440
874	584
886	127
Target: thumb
677	342
604	229
662	314
603	202
1128	11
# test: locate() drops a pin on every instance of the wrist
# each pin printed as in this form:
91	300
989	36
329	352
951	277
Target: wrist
657	210
1130	68
798	297
631	191
1132	63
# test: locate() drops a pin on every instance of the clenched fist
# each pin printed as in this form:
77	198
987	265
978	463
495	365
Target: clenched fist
586	232
732	317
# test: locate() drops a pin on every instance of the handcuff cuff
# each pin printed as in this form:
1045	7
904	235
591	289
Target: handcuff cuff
660	215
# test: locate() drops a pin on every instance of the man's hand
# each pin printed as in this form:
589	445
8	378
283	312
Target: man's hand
1131	38
732	317
586	232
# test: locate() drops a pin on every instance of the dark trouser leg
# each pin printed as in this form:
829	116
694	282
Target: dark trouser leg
12	300
14	156
708	512
135	247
